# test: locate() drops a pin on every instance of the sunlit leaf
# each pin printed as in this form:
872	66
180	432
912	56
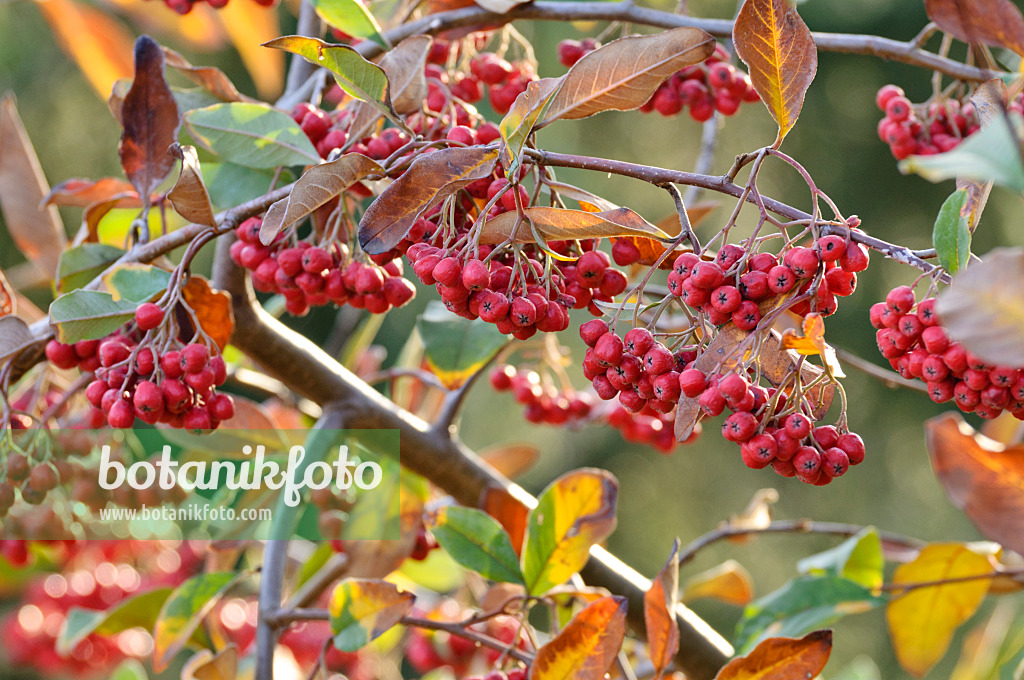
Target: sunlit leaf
80	265
455	347
557	224
476	541
253	135
89	315
858	558
952	234
352	17
183	611
205	665
212	309
136	282
189	196
81	193
210	78
362	610
510	512
728	582
248	27
511	460
660	603
781	658
136	611
989	22
586	648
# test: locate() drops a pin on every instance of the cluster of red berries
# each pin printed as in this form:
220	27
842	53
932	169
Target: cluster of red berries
730	287
33	479
504	80
544	403
912	338
185	6
309	276
428	650
926	129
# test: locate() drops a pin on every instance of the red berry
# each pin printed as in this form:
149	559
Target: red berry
900	299
61	355
148	316
121	415
194	357
608	350
692	382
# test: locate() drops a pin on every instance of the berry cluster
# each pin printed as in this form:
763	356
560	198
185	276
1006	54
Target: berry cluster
912	338
544	403
33	479
185	6
309	276
428	650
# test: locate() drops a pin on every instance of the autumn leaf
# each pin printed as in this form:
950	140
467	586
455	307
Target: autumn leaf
776	45
520	120
990	100
510	460
15	336
150	120
403	66
211	79
728	582
812	342
651	250
429	180
212	309
81	193
8	301
922	621
556	224
587	646
189	196
989	22
983	478
362	610
660	602
206	665
782	659
511	513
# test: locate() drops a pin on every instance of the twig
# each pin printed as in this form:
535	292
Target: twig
453	401
331	571
904	588
684	219
299	70
275	558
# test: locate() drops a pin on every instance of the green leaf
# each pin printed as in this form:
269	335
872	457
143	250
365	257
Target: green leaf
858	558
362	610
129	669
804	604
992	154
81	264
455	347
253	135
135	612
89	315
478	542
352	17
136	282
230	185
184	610
952	234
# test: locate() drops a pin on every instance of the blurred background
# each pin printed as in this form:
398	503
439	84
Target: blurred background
689	492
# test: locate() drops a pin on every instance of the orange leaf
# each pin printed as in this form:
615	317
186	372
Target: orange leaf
212	308
813	340
557	224
249	27
81	193
586	648
660	603
775	43
189	196
198	30
510	512
981	477
782	659
728	582
511	460
989	22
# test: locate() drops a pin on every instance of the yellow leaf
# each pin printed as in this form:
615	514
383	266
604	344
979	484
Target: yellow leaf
585	648
922	620
249	27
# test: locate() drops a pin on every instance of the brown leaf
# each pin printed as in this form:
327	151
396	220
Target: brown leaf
150	120
624	74
212	308
587	646
983	308
989	22
511	460
510	512
8	300
660	603
81	193
189	196
782	659
404	68
990	100
556	224
205	665
431	178
317	186
212	79
776	45
14	337
983	478
37	231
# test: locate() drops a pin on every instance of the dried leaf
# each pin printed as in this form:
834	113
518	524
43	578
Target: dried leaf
118	91
651	250
205	665
624	74
150	120
248	27
586	648
812	343
429	180
556	224
660	603
775	43
981	477
210	78
728	582
403	66
989	22
520	120
317	186
81	193
588	202
37	231
14	337
922	621
782	659
212	308
990	100
983	308
189	196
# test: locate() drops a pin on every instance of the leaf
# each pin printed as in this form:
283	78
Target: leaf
587	646
728	582
352	17
625	73
37	232
362	610
781	658
118	91
511	460
991	154
981	477
429	180
574	513
952	235
802	605
230	185
253	135
812	343
189	196
922	621
136	282
776	45
983	309
316	187
476	541
150	121
378	558
136	611
556	224
455	347
521	119
990	100
89	315
210	78
205	665
8	299
660	603
15	336
183	611
247	27
510	511
858	558
212	308
989	22
651	250
81	193
403	66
